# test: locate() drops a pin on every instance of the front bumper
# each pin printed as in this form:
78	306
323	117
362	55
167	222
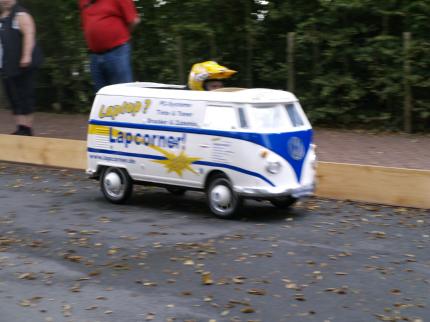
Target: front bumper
92	174
302	191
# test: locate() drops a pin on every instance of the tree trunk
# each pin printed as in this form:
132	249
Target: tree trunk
408	107
291	79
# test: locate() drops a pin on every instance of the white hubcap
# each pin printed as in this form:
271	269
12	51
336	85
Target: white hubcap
113	184
221	196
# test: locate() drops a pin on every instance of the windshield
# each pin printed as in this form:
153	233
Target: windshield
277	116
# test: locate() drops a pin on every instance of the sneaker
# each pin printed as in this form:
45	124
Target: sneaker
26	130
17	131
23	130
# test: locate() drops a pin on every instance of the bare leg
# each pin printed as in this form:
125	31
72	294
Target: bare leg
26	120
24	124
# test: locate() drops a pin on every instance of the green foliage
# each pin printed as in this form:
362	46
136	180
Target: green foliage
348	61
64	80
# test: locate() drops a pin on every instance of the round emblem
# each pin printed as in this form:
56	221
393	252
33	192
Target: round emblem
296	149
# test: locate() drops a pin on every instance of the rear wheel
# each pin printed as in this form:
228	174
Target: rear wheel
283	202
116	185
223	201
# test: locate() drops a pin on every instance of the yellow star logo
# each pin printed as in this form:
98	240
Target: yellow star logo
176	163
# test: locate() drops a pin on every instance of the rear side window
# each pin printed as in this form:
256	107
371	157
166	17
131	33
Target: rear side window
221	118
242	118
295	117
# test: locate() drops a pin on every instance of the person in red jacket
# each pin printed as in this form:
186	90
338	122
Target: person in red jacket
107	26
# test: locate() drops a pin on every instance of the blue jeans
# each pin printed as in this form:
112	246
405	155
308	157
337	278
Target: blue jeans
112	67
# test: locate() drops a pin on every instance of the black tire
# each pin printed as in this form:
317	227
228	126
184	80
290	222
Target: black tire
223	201
177	191
116	185
283	202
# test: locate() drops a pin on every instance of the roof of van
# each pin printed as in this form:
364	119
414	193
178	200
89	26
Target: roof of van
228	94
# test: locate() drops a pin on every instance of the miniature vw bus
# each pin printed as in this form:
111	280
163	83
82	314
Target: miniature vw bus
232	144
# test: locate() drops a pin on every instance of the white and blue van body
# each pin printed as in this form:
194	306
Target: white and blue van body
231	143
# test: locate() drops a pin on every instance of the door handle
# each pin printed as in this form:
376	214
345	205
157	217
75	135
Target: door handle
204	146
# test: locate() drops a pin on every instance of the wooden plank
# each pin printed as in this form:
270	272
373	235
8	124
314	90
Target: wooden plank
392	186
43	151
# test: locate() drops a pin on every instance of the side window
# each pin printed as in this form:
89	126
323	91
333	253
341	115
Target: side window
294	115
221	117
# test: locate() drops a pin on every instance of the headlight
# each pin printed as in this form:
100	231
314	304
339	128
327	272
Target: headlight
273	167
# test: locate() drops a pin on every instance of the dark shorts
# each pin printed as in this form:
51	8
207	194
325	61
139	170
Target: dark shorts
20	91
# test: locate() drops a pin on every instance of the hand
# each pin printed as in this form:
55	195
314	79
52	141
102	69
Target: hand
25	62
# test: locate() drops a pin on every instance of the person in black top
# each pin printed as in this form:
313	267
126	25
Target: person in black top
19	56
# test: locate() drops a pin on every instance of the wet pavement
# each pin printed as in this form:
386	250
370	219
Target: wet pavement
66	254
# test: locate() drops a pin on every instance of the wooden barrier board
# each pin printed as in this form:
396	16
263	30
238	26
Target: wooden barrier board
392	186
43	151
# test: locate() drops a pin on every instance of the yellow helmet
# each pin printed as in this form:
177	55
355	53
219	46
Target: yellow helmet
208	70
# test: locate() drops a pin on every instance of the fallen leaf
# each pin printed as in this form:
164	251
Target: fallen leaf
120	267
94	273
238	279
300	297
73	258
27	276
189	262
339	290
256	291
25	303
395	291
207	278
67	310
247	310
291	286
75	288
378	234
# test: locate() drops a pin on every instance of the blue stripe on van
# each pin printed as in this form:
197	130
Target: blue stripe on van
231	167
247	136
276	142
209	164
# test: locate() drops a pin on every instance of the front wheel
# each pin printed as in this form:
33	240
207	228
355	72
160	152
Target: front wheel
223	201
116	185
283	202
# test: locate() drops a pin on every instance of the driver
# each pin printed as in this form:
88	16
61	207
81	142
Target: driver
208	76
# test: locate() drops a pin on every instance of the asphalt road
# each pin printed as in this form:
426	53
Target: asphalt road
66	254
